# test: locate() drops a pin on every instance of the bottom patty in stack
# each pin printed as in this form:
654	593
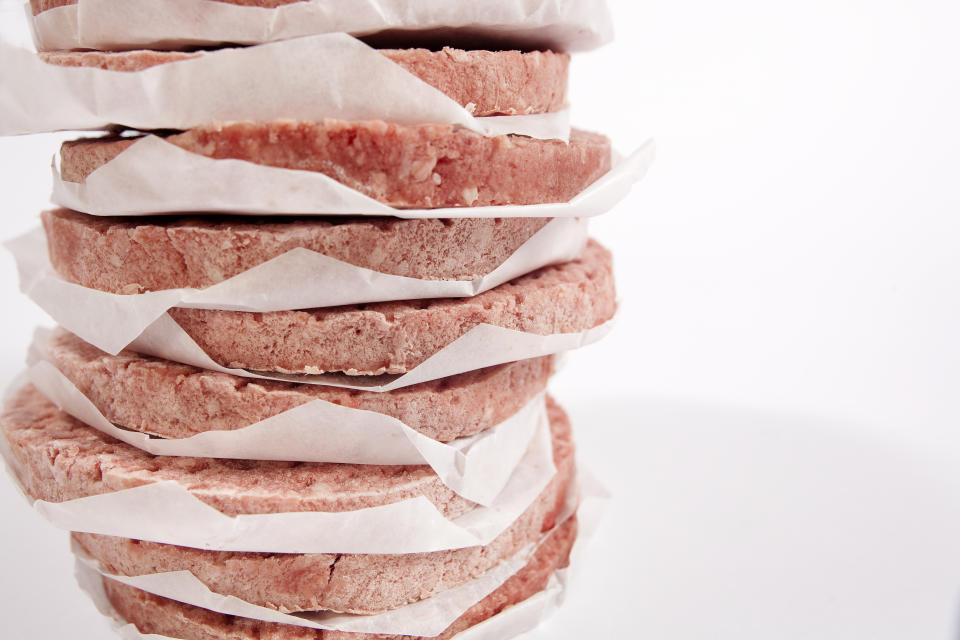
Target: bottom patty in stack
58	458
157	615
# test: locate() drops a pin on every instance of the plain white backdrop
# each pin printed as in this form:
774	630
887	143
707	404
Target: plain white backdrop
777	410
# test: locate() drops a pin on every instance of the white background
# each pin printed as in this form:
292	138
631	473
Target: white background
777	411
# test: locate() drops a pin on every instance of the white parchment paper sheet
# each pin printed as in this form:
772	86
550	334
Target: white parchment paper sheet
298	279
570	25
168	513
325	76
153	176
425	618
477	467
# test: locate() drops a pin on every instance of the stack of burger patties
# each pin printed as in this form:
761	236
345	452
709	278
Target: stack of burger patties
311	291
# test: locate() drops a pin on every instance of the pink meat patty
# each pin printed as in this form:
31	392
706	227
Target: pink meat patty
394	337
404	166
133	255
487	83
58	458
174	400
153	614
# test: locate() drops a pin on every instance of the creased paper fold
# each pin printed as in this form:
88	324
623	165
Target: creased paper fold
168	513
325	76
153	177
298	279
477	467
570	25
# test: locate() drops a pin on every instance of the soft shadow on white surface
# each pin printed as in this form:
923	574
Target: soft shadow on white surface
725	523
750	525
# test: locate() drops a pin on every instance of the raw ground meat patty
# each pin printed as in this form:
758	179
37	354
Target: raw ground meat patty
58	458
404	166
394	337
487	83
354	583
153	614
174	400
133	255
